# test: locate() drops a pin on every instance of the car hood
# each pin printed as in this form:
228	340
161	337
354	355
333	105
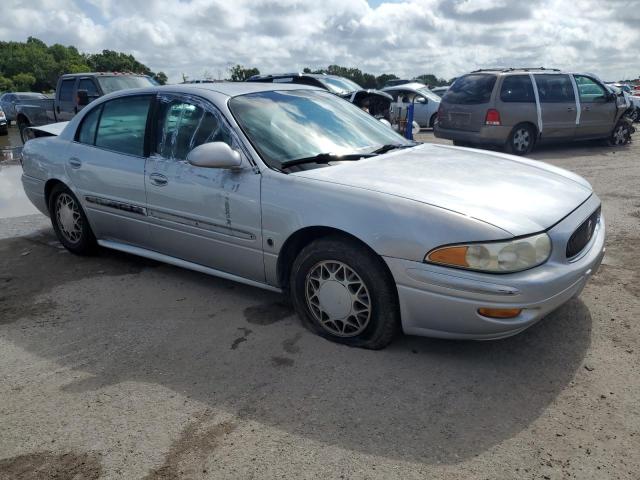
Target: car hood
517	195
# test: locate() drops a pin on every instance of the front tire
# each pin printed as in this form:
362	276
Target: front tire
621	134
70	222
25	133
343	293
521	140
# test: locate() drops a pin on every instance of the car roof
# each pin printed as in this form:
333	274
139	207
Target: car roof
232	89
103	74
406	86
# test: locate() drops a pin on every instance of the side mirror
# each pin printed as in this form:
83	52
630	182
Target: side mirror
420	100
83	98
214	155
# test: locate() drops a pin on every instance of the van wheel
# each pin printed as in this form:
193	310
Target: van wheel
621	135
343	293
521	140
70	222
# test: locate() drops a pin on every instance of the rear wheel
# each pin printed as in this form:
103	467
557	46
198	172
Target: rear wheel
70	222
621	134
521	140
342	292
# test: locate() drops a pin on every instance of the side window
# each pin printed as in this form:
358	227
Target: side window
555	88
66	90
182	126
517	88
122	125
589	90
87	131
88	85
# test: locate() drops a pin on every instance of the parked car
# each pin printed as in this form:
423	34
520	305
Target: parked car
396	81
4	127
426	103
518	108
289	188
634	111
73	92
9	100
440	91
375	102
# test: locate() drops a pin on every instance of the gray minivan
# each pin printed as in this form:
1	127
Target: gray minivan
517	108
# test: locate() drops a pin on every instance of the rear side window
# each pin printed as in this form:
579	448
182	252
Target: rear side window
122	125
87	131
471	89
66	90
182	126
517	88
555	88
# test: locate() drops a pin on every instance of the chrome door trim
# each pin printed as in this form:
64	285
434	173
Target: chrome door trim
201	224
115	204
576	93
538	109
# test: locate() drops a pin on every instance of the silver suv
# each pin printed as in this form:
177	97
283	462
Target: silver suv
517	108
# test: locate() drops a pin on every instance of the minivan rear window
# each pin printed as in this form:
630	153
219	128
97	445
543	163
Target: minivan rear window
471	89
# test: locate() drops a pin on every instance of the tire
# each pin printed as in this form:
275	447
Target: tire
635	115
70	222
521	140
330	277
432	120
621	134
24	134
4	131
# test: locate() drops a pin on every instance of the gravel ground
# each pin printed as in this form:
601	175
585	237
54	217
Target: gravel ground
118	367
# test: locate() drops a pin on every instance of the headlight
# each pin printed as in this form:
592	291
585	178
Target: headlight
495	257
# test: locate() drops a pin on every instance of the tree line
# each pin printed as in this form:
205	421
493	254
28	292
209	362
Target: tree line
34	66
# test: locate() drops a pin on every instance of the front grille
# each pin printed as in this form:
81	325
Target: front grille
583	234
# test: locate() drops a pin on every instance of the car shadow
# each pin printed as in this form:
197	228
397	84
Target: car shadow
241	350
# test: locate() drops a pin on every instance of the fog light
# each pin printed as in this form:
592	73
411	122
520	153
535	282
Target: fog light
499	312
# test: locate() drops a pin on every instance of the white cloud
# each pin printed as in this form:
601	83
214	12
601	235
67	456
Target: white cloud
445	37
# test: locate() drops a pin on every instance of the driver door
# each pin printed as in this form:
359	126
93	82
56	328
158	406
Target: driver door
598	111
208	216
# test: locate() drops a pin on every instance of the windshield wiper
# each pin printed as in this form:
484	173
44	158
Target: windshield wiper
391	146
325	158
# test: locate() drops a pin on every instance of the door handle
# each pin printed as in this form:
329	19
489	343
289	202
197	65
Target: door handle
587	107
158	179
570	109
75	162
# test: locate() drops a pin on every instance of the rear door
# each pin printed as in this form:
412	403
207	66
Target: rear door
208	216
66	105
597	112
106	165
464	106
557	106
517	101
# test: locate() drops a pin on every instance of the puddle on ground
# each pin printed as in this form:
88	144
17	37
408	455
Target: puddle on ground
13	201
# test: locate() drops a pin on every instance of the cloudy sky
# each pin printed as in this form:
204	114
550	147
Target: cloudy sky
444	37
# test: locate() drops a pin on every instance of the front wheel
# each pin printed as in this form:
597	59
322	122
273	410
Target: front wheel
70	222
521	140
343	292
25	132
621	134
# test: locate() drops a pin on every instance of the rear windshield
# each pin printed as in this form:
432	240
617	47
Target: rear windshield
113	84
471	89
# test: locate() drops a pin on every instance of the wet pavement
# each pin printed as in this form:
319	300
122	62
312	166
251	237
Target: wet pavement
13	201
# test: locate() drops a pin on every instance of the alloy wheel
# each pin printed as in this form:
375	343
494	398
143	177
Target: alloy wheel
620	135
338	298
521	140
68	218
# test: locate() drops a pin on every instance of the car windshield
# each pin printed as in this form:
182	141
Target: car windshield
294	124
122	82
471	89
429	94
340	85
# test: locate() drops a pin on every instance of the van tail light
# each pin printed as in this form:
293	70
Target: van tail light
493	117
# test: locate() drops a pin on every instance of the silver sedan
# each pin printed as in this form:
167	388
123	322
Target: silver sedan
295	190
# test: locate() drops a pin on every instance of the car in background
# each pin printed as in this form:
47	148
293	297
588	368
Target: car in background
396	81
634	111
374	102
440	91
516	108
4	124
291	189
74	91
9	100
425	102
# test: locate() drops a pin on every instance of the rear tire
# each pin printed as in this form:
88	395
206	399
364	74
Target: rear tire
521	140
343	293
70	222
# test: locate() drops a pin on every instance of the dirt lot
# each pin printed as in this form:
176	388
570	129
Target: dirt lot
117	367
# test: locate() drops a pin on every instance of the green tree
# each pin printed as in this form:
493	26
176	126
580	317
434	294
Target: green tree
23	82
240	73
6	85
381	80
161	78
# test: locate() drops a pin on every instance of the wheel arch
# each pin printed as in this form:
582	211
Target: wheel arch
534	127
48	188
299	239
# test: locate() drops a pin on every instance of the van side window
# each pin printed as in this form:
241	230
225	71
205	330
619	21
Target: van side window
182	126
589	90
555	88
66	90
123	123
517	88
87	131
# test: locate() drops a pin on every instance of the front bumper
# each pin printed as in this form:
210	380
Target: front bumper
443	302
